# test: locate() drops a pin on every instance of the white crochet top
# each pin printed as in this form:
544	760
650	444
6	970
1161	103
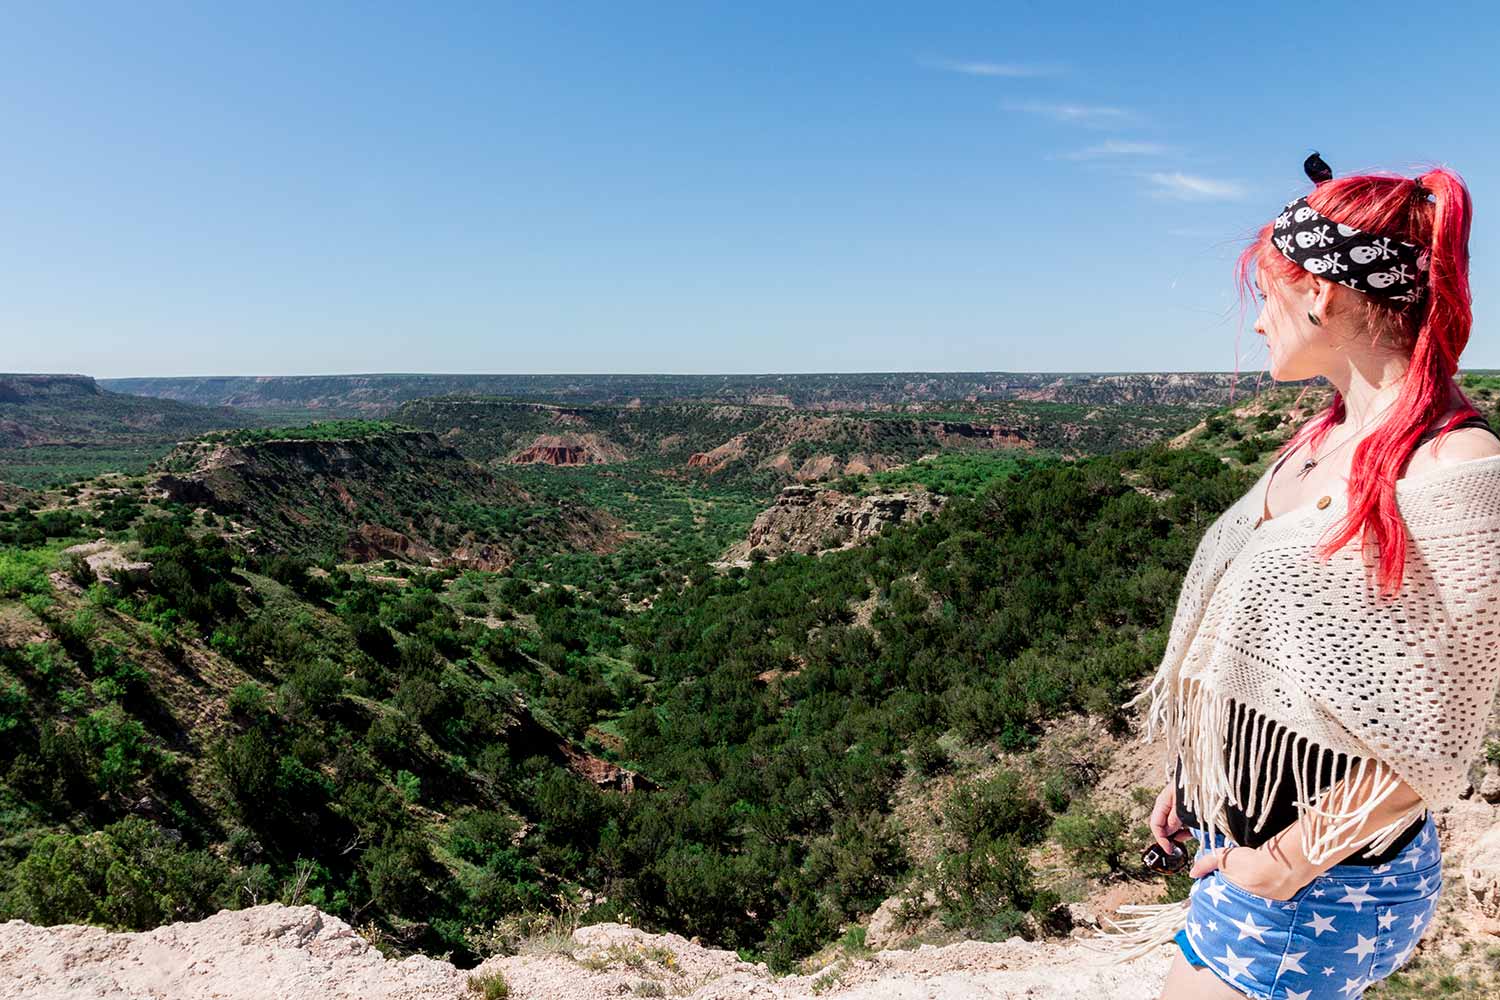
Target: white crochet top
1398	687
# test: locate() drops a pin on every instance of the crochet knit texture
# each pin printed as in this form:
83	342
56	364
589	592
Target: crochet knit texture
1397	688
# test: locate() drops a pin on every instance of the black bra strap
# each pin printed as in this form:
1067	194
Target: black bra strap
1474	421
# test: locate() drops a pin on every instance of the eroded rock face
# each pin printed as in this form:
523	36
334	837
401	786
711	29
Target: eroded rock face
1482	881
109	566
807	519
571	449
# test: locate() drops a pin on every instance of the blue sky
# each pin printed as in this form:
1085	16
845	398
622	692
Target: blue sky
193	189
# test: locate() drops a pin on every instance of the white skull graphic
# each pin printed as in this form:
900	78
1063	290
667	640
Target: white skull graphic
1363	255
1381	279
1316	265
1303	214
1347	231
1307	239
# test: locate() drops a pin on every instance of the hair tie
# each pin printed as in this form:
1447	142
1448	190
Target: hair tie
1316	170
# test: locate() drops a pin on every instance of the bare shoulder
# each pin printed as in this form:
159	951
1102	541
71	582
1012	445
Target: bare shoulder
1462	445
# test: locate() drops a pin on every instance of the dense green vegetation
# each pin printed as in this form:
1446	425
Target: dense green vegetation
322	430
248	727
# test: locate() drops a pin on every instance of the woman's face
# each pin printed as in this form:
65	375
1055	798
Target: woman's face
1297	349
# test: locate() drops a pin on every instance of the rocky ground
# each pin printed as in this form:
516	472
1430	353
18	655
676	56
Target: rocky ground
298	953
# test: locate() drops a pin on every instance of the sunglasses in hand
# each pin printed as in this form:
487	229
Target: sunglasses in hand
1158	860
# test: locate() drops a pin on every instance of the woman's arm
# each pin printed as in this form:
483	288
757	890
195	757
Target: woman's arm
1279	867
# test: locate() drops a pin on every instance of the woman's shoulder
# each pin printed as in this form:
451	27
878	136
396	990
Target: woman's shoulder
1464	444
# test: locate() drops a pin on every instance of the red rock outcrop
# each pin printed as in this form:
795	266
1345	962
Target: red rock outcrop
570	449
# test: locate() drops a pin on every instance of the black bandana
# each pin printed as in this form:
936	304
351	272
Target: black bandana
1382	266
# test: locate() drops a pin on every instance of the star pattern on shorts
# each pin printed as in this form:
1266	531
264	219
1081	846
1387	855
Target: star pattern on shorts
1217	891
1234	965
1363	948
1263	928
1249	928
1357	894
1319	924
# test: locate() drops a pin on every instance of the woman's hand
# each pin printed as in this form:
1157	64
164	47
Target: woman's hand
1165	826
1252	869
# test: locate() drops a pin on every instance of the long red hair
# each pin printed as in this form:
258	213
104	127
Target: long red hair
1433	331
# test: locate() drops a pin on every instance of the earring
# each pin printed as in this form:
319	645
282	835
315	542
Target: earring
1314	320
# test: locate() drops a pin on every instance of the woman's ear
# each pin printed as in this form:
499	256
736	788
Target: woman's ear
1322	297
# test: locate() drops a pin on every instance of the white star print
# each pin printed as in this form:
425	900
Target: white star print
1234	965
1249	928
1318	893
1381	869
1350	985
1213	925
1294	995
1357	894
1388	880
1327	970
1319	925
1416	921
1422	884
1292	963
1363	949
1386	919
1414	861
1217	891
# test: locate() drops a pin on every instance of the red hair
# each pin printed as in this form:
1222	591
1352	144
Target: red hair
1432	332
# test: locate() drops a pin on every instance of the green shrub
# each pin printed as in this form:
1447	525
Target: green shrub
990	884
999	806
1094	838
23	571
250	700
312	689
13	702
128	876
117	744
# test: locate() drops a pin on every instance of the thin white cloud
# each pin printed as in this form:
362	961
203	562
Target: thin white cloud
1117	147
1083	114
1002	69
1190	187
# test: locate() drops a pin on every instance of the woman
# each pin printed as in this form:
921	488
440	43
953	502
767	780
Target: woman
1320	697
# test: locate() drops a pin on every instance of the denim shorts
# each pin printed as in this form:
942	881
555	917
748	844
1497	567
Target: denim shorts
1349	927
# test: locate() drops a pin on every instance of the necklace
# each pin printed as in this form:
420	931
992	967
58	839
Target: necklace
1311	463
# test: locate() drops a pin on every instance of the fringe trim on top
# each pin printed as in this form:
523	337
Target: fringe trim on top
1202	724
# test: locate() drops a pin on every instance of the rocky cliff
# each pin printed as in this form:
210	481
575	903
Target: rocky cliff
807	519
386	493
